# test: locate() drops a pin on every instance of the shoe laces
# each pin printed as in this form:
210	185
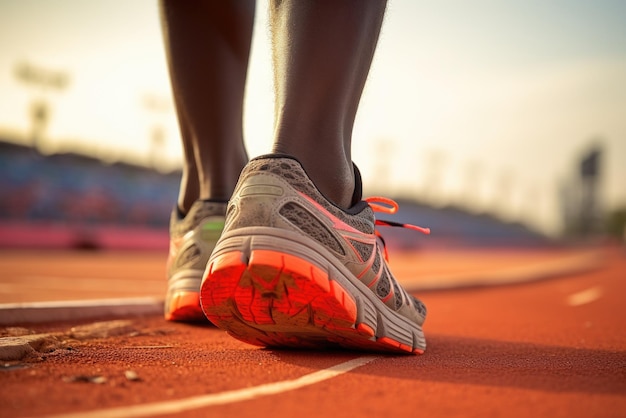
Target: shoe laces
390	206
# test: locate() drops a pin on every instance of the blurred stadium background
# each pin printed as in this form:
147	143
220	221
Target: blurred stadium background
98	167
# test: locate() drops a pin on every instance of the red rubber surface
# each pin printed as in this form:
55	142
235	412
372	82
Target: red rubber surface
514	351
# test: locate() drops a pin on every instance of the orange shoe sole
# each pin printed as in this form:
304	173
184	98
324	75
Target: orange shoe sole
277	299
184	306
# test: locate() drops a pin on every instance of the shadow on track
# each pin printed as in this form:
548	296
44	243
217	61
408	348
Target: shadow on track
470	361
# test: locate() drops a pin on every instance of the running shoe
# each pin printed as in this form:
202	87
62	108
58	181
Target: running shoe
291	269
192	239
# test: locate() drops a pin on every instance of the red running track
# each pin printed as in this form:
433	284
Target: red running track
554	348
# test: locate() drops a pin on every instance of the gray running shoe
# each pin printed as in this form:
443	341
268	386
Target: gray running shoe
192	239
292	269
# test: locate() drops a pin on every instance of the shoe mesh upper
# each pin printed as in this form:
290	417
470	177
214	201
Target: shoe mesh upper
364	250
303	220
291	170
194	250
383	287
199	210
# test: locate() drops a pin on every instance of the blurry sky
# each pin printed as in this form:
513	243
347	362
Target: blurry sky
485	103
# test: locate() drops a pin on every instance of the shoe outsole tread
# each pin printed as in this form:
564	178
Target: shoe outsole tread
273	298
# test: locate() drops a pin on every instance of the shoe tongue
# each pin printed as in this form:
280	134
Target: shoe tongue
357	195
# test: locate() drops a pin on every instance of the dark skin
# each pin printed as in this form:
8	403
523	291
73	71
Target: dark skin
199	35
322	52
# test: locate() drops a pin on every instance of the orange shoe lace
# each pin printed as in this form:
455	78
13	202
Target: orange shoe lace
389	206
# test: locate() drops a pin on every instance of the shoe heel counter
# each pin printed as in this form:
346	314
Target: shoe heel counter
256	201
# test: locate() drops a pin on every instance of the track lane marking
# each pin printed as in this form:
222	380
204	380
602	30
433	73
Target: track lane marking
37	312
222	398
585	296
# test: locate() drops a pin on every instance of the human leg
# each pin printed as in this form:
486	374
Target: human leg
322	52
207	45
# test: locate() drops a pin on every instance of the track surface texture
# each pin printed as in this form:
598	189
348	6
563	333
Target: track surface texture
550	348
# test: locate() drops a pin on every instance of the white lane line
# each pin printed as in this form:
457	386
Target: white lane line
82	303
232	396
37	312
584	297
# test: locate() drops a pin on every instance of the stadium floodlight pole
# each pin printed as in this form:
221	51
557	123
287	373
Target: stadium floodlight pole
158	106
591	208
45	80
